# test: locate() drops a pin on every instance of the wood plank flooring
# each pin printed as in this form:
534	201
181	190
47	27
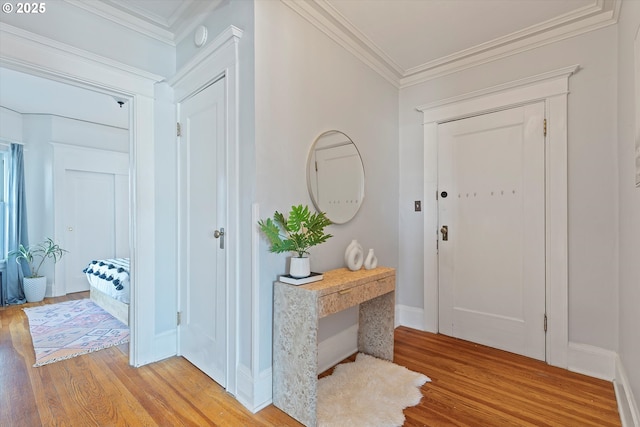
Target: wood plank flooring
472	385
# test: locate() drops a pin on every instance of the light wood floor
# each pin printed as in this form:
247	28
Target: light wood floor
471	385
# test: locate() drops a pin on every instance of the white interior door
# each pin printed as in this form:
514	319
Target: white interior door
90	218
91	205
203	299
491	199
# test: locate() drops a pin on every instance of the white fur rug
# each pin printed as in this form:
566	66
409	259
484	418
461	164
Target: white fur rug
368	392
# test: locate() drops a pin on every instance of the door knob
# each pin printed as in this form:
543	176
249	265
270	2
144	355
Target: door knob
219	234
445	232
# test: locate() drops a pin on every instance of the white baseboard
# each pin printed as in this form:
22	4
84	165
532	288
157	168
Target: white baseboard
337	348
592	361
263	390
254	393
627	407
411	317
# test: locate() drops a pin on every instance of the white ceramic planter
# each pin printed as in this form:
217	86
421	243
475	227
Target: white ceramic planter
34	288
299	267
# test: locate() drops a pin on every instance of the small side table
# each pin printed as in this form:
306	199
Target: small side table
297	310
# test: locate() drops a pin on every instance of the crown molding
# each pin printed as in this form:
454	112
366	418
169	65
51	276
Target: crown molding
603	13
125	19
159	20
322	19
23	50
170	31
328	20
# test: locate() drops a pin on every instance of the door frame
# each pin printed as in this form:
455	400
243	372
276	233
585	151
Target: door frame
40	56
219	59
552	88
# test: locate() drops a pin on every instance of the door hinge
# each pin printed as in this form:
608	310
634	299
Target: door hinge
178	129
544	127
545	322
178	318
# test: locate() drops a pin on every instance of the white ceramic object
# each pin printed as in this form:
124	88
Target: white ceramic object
370	261
355	263
299	267
34	288
354	256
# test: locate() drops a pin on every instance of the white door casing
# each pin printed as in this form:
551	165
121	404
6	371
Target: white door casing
491	262
552	88
203	298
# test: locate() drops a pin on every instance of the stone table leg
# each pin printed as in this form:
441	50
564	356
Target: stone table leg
295	355
375	332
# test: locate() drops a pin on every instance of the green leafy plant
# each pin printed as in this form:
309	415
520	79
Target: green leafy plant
297	233
36	255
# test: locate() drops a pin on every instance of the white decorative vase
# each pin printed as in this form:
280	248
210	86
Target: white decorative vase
34	288
299	267
354	244
370	261
354	256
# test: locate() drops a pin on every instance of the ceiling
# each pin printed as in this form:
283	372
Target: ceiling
406	41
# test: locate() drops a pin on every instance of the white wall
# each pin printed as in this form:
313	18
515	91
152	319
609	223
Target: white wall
10	125
306	84
629	199
592	180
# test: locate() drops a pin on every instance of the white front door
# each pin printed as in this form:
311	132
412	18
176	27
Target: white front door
491	214
203	298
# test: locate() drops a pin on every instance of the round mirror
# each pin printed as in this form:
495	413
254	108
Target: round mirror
335	176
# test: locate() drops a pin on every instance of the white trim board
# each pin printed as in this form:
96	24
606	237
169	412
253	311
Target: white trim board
627	406
338	347
552	88
411	317
592	361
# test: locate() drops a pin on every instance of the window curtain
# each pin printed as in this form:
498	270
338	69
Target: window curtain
17	219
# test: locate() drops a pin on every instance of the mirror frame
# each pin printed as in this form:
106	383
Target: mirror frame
309	187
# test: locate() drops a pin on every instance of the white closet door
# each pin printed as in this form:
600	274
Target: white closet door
91	205
91	229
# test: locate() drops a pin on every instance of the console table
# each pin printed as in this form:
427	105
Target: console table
296	312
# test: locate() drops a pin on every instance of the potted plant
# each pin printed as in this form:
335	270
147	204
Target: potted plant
34	284
296	234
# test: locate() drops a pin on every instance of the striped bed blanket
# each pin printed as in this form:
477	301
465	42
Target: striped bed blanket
110	276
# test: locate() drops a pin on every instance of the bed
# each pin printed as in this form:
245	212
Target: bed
109	286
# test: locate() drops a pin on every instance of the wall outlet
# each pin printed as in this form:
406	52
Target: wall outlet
417	206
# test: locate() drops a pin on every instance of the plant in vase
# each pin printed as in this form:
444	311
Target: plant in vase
34	284
296	234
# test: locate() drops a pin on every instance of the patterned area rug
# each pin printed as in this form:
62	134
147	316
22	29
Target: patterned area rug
369	392
72	328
